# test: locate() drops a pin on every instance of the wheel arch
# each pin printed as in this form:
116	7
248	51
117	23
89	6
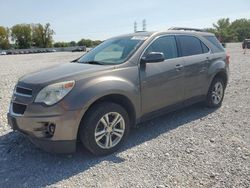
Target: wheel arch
220	74
119	99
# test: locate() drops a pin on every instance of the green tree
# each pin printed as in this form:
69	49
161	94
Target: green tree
96	42
4	38
223	30
241	28
61	44
85	42
42	35
72	43
21	35
211	30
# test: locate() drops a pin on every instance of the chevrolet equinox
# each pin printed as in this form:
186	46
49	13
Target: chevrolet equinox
123	81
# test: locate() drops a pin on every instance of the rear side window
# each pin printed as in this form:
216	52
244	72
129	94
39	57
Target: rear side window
216	43
166	45
204	48
190	45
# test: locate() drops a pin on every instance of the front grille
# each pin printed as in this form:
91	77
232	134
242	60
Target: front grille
18	108
23	91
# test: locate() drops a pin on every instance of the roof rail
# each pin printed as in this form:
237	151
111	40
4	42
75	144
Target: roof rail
186	29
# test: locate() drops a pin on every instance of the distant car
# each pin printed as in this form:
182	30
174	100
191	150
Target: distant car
9	52
246	44
31	51
53	50
3	53
80	49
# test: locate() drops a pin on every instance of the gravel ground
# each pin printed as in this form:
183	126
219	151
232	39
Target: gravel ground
193	147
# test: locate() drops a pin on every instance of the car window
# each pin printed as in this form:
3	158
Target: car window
113	51
166	45
190	45
205	49
216	43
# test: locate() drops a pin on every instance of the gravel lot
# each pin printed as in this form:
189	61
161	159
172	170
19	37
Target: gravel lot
193	147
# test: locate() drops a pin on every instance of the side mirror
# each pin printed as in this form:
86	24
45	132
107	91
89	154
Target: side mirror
153	57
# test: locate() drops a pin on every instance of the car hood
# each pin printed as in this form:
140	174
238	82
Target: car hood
67	71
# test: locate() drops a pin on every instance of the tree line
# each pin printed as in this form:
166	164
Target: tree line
26	36
82	42
23	36
227	31
41	36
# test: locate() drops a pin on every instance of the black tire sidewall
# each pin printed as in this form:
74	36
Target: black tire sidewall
88	126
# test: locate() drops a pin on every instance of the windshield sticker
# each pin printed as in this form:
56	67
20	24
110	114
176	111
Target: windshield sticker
139	38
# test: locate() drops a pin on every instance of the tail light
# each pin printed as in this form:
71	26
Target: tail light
227	59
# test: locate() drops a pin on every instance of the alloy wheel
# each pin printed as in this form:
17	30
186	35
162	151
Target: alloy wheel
109	130
217	93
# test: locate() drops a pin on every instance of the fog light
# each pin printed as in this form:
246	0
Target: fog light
51	128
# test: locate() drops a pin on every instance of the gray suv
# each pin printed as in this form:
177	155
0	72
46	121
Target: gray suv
123	81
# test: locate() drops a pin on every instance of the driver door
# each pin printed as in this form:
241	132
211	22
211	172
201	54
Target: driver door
162	82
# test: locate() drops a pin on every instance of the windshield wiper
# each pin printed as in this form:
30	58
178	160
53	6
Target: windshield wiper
75	60
94	62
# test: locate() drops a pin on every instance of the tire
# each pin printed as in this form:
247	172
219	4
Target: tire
96	133
215	96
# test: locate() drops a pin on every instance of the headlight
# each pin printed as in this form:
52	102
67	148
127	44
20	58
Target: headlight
53	93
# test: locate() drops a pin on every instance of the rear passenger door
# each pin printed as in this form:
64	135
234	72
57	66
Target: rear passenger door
196	55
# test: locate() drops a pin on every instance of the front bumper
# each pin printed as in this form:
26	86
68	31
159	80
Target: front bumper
64	137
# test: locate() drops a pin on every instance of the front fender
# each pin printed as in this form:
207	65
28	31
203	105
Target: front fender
88	92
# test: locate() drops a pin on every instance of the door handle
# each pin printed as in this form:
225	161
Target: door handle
178	67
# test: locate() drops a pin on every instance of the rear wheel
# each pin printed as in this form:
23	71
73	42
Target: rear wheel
104	129
216	93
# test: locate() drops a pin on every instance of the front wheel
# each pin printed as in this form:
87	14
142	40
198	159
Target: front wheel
104	129
216	93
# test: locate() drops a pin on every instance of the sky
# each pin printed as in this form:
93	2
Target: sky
96	19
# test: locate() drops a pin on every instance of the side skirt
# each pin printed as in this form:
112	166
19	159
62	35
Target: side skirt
170	108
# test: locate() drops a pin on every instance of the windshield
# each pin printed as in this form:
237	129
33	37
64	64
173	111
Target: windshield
112	51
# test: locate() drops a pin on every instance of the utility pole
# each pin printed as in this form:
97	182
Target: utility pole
144	25
135	27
